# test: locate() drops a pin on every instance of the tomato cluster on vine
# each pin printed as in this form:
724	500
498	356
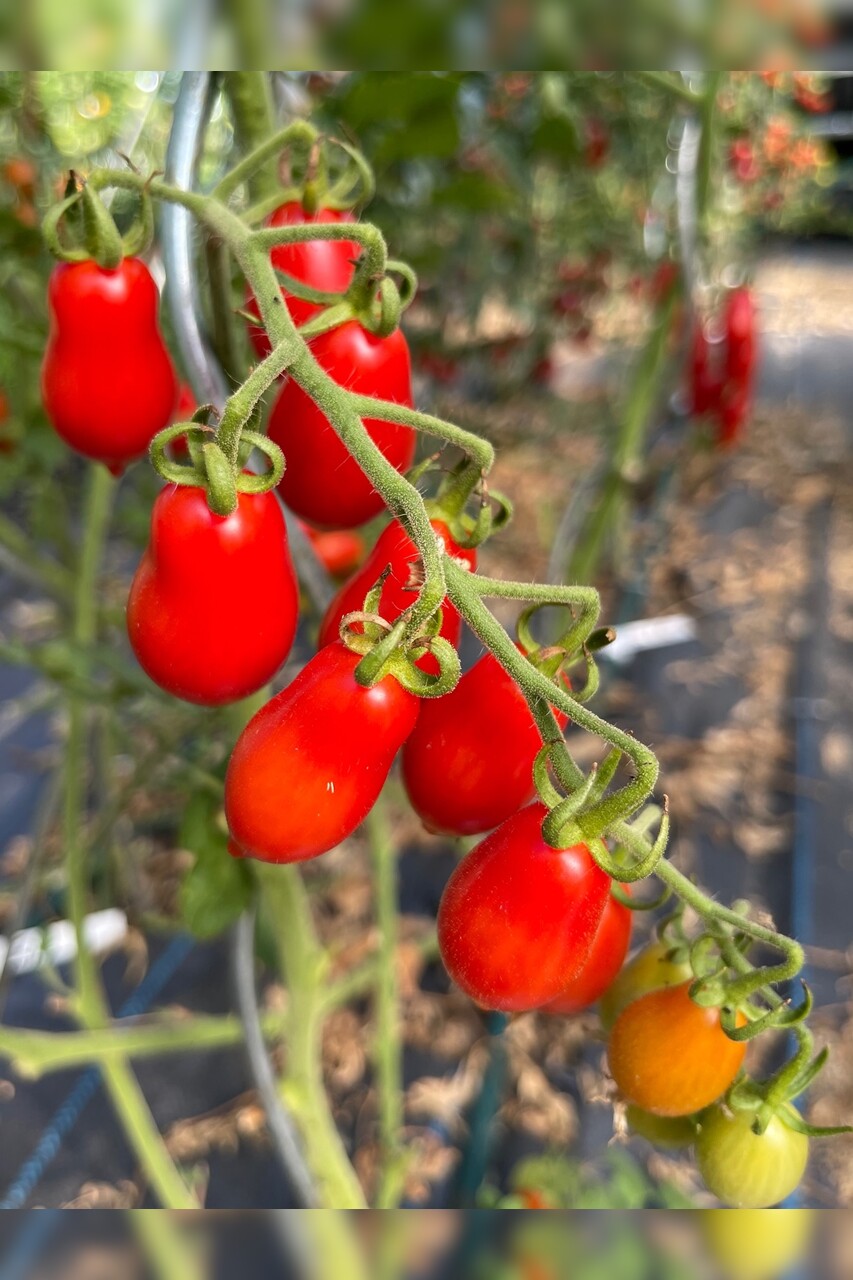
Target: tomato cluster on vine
530	919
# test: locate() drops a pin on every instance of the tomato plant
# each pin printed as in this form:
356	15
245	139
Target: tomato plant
606	957
213	606
748	1170
323	483
517	918
669	1055
330	780
107	380
468	765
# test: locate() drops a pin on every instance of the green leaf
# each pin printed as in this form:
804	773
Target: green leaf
218	888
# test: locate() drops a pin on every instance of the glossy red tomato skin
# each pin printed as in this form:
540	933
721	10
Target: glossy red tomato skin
322	264
308	767
739	325
396	549
606	957
671	1056
213	606
468	766
322	482
184	409
748	1170
517	918
107	380
340	551
705	385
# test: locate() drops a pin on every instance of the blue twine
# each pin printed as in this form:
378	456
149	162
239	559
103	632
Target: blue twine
29	1243
86	1087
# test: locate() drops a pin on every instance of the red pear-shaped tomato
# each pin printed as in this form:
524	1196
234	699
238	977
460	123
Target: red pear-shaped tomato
705	383
739	325
323	483
308	767
340	551
107	380
395	551
213	605
518	918
606	957
469	763
322	264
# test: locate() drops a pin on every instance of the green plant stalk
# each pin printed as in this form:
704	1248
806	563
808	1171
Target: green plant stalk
100	489
249	91
387	1047
29	566
302	962
672	83
628	454
119	1080
167	1246
36	1053
224	335
337	1252
707	117
363	979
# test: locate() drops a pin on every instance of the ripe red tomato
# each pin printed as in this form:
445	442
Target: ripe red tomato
739	326
649	970
323	483
748	1170
671	1056
605	959
308	767
468	766
322	264
734	411
340	551
107	379
705	384
517	918
213	606
394	548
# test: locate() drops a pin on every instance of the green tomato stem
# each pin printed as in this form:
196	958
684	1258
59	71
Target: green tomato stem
387	1048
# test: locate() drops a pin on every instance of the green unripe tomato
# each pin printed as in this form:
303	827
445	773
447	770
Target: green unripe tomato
756	1244
748	1170
649	970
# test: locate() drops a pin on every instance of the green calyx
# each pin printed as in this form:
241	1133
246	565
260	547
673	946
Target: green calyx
210	469
97	237
386	649
463	486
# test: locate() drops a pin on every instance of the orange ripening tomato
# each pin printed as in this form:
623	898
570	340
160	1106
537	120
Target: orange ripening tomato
670	1056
